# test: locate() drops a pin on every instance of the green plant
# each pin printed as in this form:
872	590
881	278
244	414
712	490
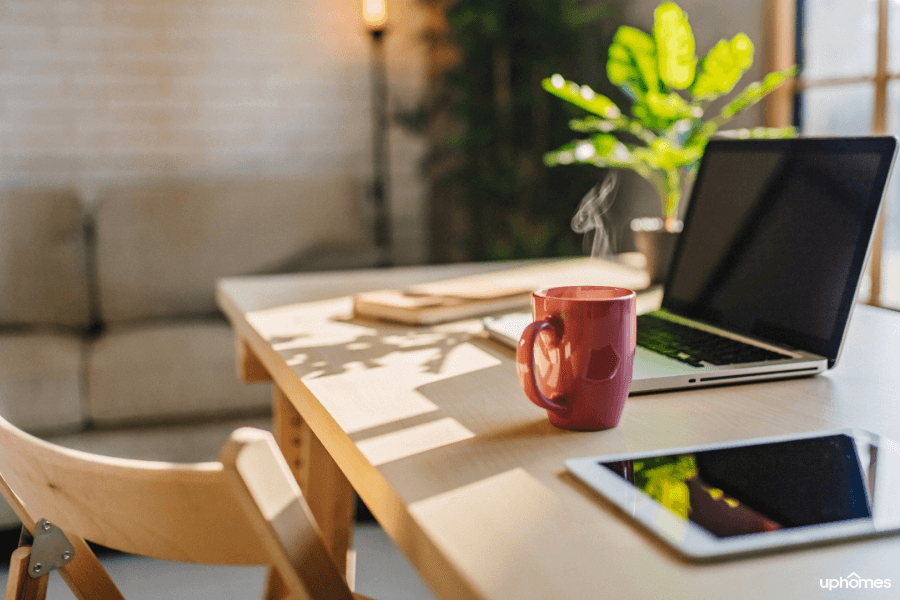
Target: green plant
671	91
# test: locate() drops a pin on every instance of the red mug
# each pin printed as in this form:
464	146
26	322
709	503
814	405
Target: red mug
577	357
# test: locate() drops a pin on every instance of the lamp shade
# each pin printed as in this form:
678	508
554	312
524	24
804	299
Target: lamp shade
374	14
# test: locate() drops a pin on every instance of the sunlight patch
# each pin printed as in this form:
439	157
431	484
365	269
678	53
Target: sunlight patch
413	440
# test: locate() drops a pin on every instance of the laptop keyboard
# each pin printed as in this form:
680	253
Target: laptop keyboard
695	346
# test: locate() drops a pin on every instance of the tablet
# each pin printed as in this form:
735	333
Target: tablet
731	499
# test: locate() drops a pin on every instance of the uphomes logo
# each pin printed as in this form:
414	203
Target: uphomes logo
854	582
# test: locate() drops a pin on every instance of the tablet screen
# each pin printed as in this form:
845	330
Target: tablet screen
758	488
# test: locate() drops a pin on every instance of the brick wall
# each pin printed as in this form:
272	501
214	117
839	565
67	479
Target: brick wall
96	93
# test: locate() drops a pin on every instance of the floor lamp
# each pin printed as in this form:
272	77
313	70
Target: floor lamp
375	19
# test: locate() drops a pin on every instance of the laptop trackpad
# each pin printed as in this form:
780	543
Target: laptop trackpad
649	364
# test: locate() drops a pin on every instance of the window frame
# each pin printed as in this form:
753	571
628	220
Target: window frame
782	104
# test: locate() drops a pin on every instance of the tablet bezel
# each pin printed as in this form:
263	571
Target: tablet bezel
695	543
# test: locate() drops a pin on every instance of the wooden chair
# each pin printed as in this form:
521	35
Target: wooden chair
245	509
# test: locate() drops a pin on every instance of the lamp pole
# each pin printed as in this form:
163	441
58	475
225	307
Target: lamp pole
375	18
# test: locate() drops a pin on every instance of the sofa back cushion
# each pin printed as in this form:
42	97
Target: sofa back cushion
41	380
43	273
161	247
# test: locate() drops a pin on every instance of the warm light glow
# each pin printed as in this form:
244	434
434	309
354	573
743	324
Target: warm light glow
374	13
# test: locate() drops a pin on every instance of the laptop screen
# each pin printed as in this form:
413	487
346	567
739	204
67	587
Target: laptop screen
775	237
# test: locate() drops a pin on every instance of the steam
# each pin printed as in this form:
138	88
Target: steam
589	216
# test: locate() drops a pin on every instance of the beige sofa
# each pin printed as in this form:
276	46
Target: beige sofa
110	340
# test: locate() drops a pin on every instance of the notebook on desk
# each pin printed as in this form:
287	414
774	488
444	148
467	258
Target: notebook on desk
766	270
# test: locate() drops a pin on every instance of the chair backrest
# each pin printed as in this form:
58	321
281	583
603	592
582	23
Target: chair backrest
245	509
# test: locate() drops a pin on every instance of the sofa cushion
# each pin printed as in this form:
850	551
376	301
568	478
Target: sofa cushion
147	374
40	381
161	247
42	258
178	442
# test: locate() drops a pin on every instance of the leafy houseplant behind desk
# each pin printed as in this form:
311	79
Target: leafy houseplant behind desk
671	91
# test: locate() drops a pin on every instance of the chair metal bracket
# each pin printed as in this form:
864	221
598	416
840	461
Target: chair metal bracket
50	548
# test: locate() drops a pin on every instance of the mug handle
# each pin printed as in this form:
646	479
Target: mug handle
525	366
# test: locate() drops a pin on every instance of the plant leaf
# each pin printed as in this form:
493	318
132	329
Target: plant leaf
665	155
723	66
669	107
759	133
674	46
632	62
595	124
646	117
659	111
582	96
753	93
605	144
600	150
598	125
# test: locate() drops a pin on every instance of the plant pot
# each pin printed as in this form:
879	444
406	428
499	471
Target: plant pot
657	244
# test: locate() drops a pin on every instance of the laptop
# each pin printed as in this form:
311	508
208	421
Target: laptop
766	270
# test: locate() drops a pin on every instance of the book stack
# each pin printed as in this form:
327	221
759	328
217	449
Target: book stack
491	293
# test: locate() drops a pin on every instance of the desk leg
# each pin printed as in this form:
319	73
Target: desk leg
250	368
326	489
275	589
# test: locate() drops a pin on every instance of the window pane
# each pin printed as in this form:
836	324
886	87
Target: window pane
894	36
839	38
890	265
838	110
890	260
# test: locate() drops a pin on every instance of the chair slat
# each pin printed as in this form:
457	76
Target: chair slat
273	501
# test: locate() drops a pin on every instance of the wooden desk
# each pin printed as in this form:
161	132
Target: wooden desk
432	430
